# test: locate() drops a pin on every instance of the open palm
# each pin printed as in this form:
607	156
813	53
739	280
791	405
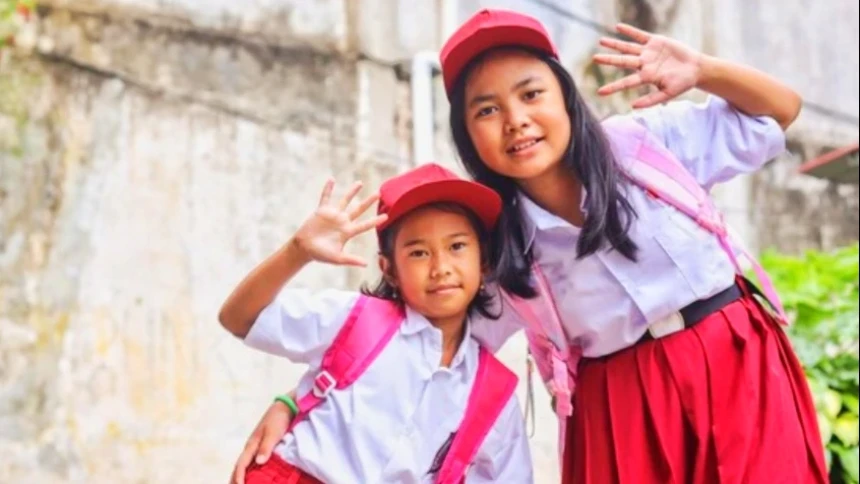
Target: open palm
324	235
668	65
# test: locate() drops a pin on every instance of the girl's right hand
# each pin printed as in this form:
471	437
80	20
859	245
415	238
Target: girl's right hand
323	236
263	440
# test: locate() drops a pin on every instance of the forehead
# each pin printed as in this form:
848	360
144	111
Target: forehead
433	222
502	68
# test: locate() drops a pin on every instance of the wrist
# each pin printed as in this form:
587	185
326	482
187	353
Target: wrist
289	402
709	71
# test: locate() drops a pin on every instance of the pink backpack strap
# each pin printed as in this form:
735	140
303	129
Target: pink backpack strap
493	388
367	330
656	170
556	360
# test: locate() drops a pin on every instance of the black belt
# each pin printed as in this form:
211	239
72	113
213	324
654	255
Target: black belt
695	312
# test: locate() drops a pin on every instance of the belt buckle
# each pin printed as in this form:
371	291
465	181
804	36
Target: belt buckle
666	326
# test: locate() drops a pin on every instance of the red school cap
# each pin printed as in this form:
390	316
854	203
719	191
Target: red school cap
431	183
485	30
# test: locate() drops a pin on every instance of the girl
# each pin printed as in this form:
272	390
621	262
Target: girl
401	417
684	376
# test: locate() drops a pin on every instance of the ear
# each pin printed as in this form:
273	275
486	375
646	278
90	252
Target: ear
387	270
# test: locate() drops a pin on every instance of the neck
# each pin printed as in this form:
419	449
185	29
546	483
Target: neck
453	329
558	192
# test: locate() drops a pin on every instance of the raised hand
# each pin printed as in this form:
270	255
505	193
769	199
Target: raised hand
323	236
670	66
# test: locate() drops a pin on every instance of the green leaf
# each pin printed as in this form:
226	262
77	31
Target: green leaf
825	428
847	429
832	403
852	403
849	460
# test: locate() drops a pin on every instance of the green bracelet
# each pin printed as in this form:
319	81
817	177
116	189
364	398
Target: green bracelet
289	402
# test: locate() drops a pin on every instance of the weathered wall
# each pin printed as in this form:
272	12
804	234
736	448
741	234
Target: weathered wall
147	167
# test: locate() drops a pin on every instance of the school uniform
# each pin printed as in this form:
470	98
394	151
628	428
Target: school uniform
722	401
390	423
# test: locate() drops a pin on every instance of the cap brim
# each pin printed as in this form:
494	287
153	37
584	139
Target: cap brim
483	201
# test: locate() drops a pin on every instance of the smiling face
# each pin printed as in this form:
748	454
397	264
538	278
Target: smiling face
436	263
515	115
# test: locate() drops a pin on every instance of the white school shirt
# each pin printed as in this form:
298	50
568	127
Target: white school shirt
606	301
389	424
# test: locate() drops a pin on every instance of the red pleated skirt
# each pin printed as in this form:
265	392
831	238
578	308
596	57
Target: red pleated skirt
725	401
278	471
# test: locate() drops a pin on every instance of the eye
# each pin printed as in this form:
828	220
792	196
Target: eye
458	245
485	111
417	253
534	93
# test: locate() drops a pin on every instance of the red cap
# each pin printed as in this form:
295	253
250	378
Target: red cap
485	30
430	183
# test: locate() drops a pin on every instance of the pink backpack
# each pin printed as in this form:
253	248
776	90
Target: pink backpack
367	330
651	166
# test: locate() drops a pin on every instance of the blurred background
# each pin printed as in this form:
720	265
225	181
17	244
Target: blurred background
152	151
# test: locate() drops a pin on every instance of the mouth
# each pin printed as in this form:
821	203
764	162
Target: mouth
523	145
444	289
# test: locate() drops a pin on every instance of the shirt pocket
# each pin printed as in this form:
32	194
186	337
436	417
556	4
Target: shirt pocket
694	251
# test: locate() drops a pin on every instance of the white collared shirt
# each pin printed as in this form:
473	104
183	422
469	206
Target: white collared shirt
390	423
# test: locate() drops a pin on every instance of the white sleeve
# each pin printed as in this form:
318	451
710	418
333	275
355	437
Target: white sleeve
505	455
300	324
714	140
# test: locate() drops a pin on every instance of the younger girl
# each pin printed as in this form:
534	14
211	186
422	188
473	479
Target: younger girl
398	420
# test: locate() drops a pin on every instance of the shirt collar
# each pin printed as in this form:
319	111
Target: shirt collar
416	323
536	218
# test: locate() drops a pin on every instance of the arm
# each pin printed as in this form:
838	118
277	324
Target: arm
673	69
260	287
749	90
322	237
262	441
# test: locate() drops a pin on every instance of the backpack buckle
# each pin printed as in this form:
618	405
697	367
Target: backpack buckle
324	383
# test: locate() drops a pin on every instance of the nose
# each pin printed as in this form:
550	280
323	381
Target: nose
440	266
516	119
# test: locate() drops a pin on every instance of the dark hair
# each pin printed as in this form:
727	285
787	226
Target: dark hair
589	156
441	455
482	302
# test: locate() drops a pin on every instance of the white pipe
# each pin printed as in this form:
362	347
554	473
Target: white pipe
424	66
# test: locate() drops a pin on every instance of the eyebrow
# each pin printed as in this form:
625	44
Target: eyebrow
489	97
414	242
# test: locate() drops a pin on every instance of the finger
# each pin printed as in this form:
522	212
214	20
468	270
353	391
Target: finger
350	194
326	193
268	443
631	81
621	46
638	35
350	260
624	61
363	206
372	223
652	99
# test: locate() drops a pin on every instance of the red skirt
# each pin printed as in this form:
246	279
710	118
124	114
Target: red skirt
725	401
278	471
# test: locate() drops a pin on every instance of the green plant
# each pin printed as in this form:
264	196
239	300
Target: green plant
820	293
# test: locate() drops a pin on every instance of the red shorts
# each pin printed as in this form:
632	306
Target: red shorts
277	471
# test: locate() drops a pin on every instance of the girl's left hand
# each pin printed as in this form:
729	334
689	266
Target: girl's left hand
670	66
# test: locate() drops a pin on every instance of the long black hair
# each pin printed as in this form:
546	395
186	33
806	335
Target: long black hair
383	289
589	156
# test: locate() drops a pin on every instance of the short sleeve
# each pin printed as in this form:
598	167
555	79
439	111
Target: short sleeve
301	324
714	140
